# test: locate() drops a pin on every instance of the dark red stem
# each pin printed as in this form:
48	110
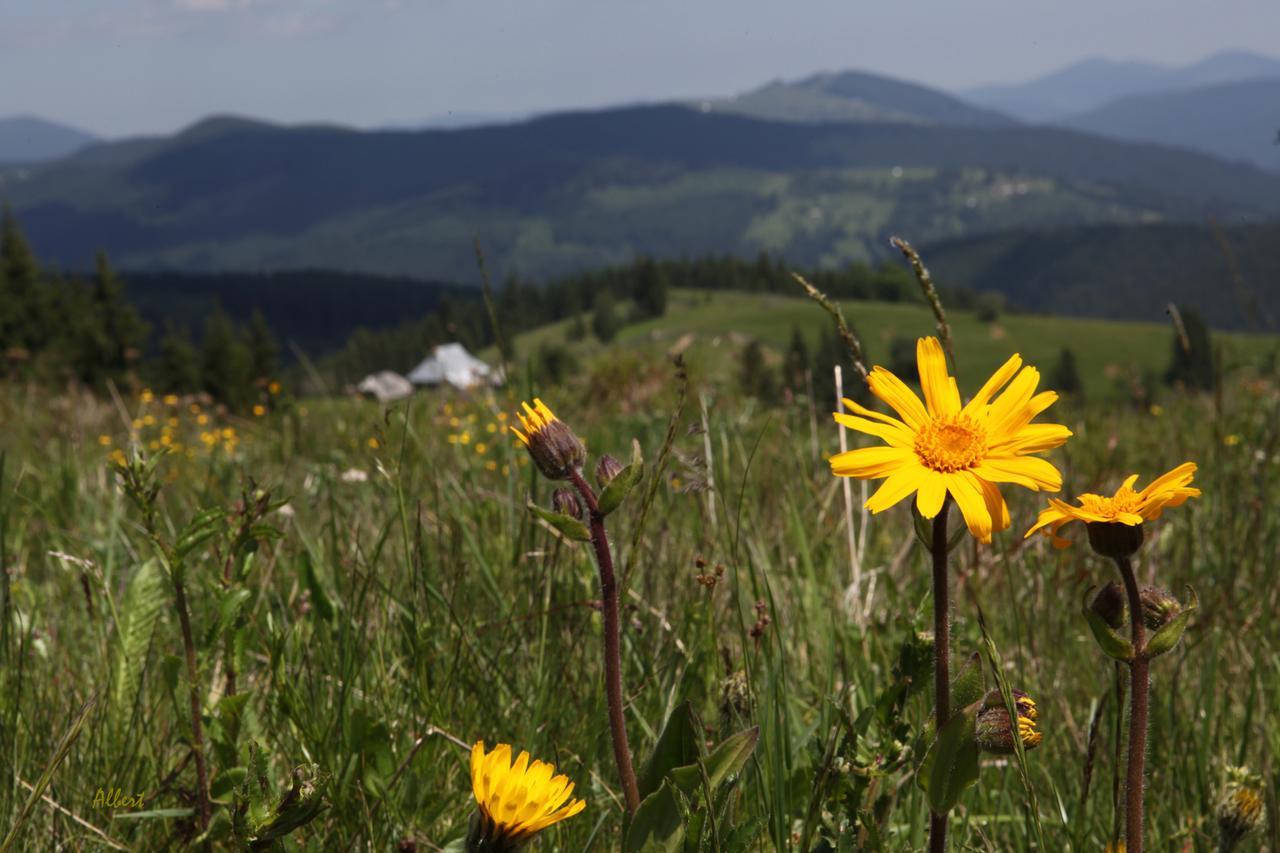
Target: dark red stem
612	644
1139	685
941	654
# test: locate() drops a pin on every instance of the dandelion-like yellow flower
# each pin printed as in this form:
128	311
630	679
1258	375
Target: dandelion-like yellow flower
941	447
550	442
1126	506
516	801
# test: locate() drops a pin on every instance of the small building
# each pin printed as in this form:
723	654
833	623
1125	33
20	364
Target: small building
452	364
385	386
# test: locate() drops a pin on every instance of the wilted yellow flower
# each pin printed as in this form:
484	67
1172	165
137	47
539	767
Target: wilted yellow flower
942	447
992	727
515	801
1126	506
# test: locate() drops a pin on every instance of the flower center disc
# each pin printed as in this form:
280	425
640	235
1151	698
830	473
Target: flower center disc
1125	500
952	444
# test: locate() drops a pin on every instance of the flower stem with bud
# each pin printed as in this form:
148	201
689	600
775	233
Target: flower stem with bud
612	643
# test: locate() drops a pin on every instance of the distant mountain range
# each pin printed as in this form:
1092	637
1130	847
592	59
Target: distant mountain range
29	139
853	96
578	190
1237	121
1088	85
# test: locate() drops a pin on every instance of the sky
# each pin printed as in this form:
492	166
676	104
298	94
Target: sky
125	67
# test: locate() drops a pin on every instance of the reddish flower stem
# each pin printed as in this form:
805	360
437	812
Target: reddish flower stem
1139	687
941	654
612	644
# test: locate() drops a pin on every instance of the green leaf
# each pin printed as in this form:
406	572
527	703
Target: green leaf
659	824
968	685
677	746
620	486
1111	643
143	603
1171	632
225	784
199	530
951	764
566	524
320	599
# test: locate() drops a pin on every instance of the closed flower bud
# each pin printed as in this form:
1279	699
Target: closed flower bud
606	469
1158	607
551	443
1109	604
995	731
564	501
1115	539
1240	809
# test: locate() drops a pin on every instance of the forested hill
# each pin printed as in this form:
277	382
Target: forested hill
584	190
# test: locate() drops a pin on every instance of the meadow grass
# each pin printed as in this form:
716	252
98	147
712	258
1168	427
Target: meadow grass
411	605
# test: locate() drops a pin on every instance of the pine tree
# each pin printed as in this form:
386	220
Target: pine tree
650	289
176	369
262	346
117	334
24	314
797	363
1065	378
225	364
604	320
1192	364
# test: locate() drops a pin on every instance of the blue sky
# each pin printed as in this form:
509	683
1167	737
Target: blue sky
119	67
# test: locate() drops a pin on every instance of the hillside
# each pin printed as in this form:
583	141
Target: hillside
712	329
1126	272
30	139
1234	121
854	96
582	190
1091	83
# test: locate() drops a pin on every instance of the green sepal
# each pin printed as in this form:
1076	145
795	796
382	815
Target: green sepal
566	524
1112	644
620	486
1171	632
951	764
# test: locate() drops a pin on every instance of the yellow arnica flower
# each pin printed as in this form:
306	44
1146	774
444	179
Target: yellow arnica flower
941	447
1126	506
552	444
516	801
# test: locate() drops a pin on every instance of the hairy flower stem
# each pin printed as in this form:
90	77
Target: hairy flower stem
612	644
1139	685
941	654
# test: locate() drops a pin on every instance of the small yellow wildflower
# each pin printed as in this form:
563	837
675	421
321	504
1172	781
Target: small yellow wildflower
453	438
171	399
491	465
1231	440
374	444
202	419
481	447
104	440
146	396
516	801
259	410
273	388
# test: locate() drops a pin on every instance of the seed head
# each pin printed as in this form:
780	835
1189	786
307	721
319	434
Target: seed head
1240	809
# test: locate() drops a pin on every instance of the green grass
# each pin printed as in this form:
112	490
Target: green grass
1109	354
415	607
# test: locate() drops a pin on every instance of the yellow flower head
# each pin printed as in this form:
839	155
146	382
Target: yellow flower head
550	442
1126	506
940	447
992	727
516	801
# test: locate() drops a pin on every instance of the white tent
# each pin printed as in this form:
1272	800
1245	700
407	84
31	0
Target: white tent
452	363
385	386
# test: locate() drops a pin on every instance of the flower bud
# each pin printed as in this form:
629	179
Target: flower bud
551	443
1114	539
1158	607
1240	809
606	469
1109	604
565	502
994	730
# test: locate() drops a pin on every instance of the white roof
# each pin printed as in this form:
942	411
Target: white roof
453	364
385	386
